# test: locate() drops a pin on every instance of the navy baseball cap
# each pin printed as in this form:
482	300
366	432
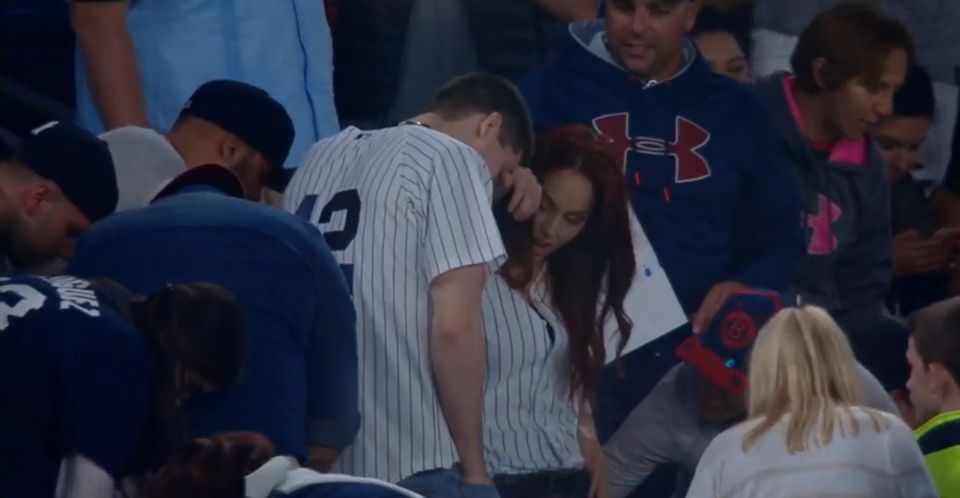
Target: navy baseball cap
74	159
212	175
720	352
252	115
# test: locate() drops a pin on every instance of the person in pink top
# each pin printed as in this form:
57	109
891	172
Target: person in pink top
846	67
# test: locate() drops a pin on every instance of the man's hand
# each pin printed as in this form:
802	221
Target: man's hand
715	300
914	255
525	200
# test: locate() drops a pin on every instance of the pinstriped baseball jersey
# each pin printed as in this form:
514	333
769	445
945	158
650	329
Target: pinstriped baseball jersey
530	423
399	207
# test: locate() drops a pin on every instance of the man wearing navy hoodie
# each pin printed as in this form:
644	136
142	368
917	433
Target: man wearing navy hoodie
709	181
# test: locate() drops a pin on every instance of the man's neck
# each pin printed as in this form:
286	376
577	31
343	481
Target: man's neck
428	119
814	118
951	404
183	148
669	72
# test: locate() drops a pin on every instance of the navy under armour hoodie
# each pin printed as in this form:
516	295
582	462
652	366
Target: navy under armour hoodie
846	202
709	181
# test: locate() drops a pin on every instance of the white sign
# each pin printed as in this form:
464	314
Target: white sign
651	302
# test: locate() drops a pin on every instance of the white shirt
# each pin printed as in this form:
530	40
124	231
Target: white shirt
886	464
399	207
144	161
530	422
282	476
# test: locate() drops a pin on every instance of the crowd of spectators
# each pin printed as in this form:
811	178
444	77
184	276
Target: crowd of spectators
392	248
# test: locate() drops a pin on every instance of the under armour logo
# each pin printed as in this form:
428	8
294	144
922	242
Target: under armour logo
40	129
689	137
822	240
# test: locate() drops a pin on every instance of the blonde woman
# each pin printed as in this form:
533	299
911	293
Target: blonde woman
807	433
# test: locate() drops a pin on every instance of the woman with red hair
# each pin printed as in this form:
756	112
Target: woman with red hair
544	317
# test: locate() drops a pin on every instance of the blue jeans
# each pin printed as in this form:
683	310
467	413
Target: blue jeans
446	483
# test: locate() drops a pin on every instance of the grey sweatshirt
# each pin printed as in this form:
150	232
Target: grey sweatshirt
846	208
144	160
666	428
933	24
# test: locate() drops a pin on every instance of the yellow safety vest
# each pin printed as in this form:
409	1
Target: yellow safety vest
939	441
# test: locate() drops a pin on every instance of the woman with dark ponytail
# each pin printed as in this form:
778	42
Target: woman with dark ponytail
92	378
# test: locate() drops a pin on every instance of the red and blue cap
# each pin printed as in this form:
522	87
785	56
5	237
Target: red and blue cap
720	353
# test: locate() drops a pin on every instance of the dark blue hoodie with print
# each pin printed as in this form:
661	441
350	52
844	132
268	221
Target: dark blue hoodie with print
710	182
709	179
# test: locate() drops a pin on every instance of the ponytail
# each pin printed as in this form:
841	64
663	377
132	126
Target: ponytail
194	327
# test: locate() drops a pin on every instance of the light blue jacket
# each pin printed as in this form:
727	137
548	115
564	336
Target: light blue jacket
282	46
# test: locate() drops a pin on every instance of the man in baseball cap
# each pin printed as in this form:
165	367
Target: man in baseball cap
54	184
254	118
230	123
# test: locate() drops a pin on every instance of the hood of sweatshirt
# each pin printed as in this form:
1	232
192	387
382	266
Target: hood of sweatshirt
688	150
845	192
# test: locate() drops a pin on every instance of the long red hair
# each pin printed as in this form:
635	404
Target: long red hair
590	276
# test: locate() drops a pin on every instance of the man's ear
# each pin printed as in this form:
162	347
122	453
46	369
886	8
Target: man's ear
943	380
489	127
693	10
31	198
231	150
821	74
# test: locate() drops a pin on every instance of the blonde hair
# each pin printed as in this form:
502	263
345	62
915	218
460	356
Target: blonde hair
802	369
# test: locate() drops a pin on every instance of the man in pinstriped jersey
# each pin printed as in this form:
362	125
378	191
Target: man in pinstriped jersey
407	212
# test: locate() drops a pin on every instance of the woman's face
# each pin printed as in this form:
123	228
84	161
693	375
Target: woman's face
857	107
564	209
900	140
724	55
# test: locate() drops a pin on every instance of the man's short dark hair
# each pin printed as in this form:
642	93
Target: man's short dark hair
488	93
936	335
855	39
915	98
711	20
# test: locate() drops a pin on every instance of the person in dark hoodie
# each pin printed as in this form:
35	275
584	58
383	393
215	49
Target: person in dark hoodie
847	65
709	181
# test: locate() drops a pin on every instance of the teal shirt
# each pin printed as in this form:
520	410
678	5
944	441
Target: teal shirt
282	46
